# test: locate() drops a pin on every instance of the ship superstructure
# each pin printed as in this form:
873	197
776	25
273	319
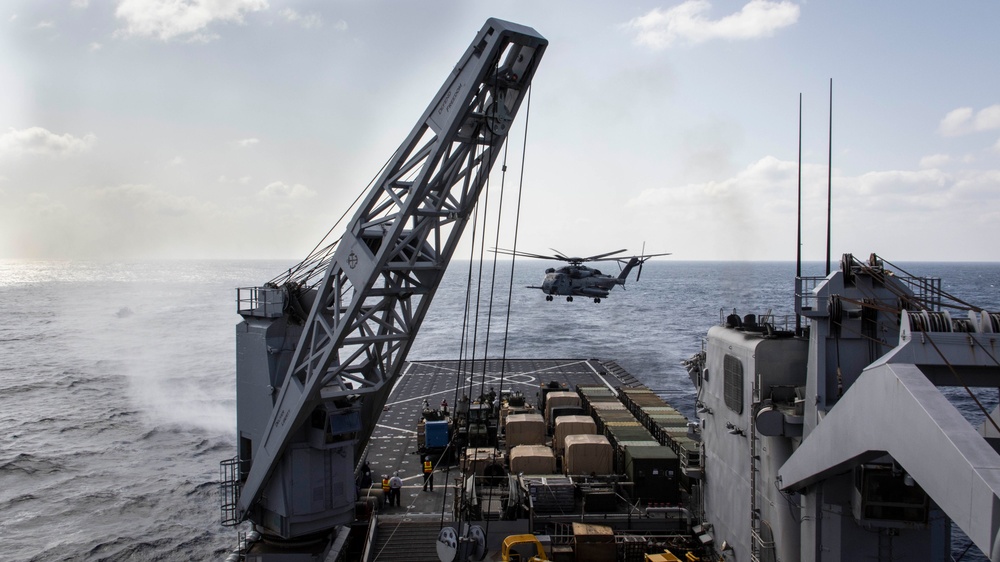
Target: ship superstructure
837	443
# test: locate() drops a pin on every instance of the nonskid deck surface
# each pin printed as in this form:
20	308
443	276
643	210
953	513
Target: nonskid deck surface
393	446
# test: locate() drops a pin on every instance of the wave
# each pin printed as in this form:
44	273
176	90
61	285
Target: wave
214	447
205	489
16	500
126	548
26	463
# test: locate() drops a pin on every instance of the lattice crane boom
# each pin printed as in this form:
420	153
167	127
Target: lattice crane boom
365	312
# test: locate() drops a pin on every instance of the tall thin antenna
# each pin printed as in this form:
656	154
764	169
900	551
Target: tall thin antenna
829	182
798	240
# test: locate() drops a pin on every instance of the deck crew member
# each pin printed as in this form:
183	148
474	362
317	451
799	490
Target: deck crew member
428	473
365	481
395	486
385	489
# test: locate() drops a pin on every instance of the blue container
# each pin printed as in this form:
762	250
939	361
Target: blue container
436	434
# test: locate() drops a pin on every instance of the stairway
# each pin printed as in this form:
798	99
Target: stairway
406	542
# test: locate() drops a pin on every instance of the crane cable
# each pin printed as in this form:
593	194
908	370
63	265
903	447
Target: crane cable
493	275
489	312
468	307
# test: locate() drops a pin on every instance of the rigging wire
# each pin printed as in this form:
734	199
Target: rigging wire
958	377
489	314
318	258
485	161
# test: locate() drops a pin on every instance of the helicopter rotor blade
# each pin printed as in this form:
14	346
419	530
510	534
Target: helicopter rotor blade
601	256
519	253
561	256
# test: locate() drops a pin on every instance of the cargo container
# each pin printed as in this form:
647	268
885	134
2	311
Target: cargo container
594	543
589	395
655	472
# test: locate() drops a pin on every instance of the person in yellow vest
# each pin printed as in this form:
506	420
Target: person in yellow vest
385	489
428	474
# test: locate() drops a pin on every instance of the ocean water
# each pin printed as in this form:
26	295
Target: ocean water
117	380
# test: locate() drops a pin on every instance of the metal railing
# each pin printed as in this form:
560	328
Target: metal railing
264	302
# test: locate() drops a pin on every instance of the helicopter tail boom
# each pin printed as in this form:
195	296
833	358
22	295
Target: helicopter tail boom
632	262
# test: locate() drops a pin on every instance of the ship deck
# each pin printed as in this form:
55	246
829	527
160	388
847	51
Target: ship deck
393	446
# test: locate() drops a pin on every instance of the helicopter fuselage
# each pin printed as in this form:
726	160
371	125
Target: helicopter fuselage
578	280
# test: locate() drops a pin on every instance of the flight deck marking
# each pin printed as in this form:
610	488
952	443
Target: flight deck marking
494	378
382	425
604	380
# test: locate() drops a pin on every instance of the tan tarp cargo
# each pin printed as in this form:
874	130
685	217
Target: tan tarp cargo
558	399
525	429
588	454
532	459
476	460
571	425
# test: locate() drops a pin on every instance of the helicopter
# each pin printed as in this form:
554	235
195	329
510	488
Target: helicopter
578	280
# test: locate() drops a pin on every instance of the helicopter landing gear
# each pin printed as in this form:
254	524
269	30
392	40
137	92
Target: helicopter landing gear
596	299
569	299
548	297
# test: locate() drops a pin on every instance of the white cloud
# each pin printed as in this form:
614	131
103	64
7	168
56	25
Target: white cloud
143	220
246	143
689	23
168	19
241	180
760	178
280	191
80	3
988	119
45	24
39	141
996	146
122	200
901	182
934	161
873	210
94	47
965	120
308	21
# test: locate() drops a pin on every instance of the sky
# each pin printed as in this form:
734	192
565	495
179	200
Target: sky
243	129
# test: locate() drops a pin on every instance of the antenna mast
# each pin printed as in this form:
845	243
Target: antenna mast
798	240
829	182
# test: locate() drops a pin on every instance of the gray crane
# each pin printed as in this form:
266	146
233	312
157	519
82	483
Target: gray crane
318	348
